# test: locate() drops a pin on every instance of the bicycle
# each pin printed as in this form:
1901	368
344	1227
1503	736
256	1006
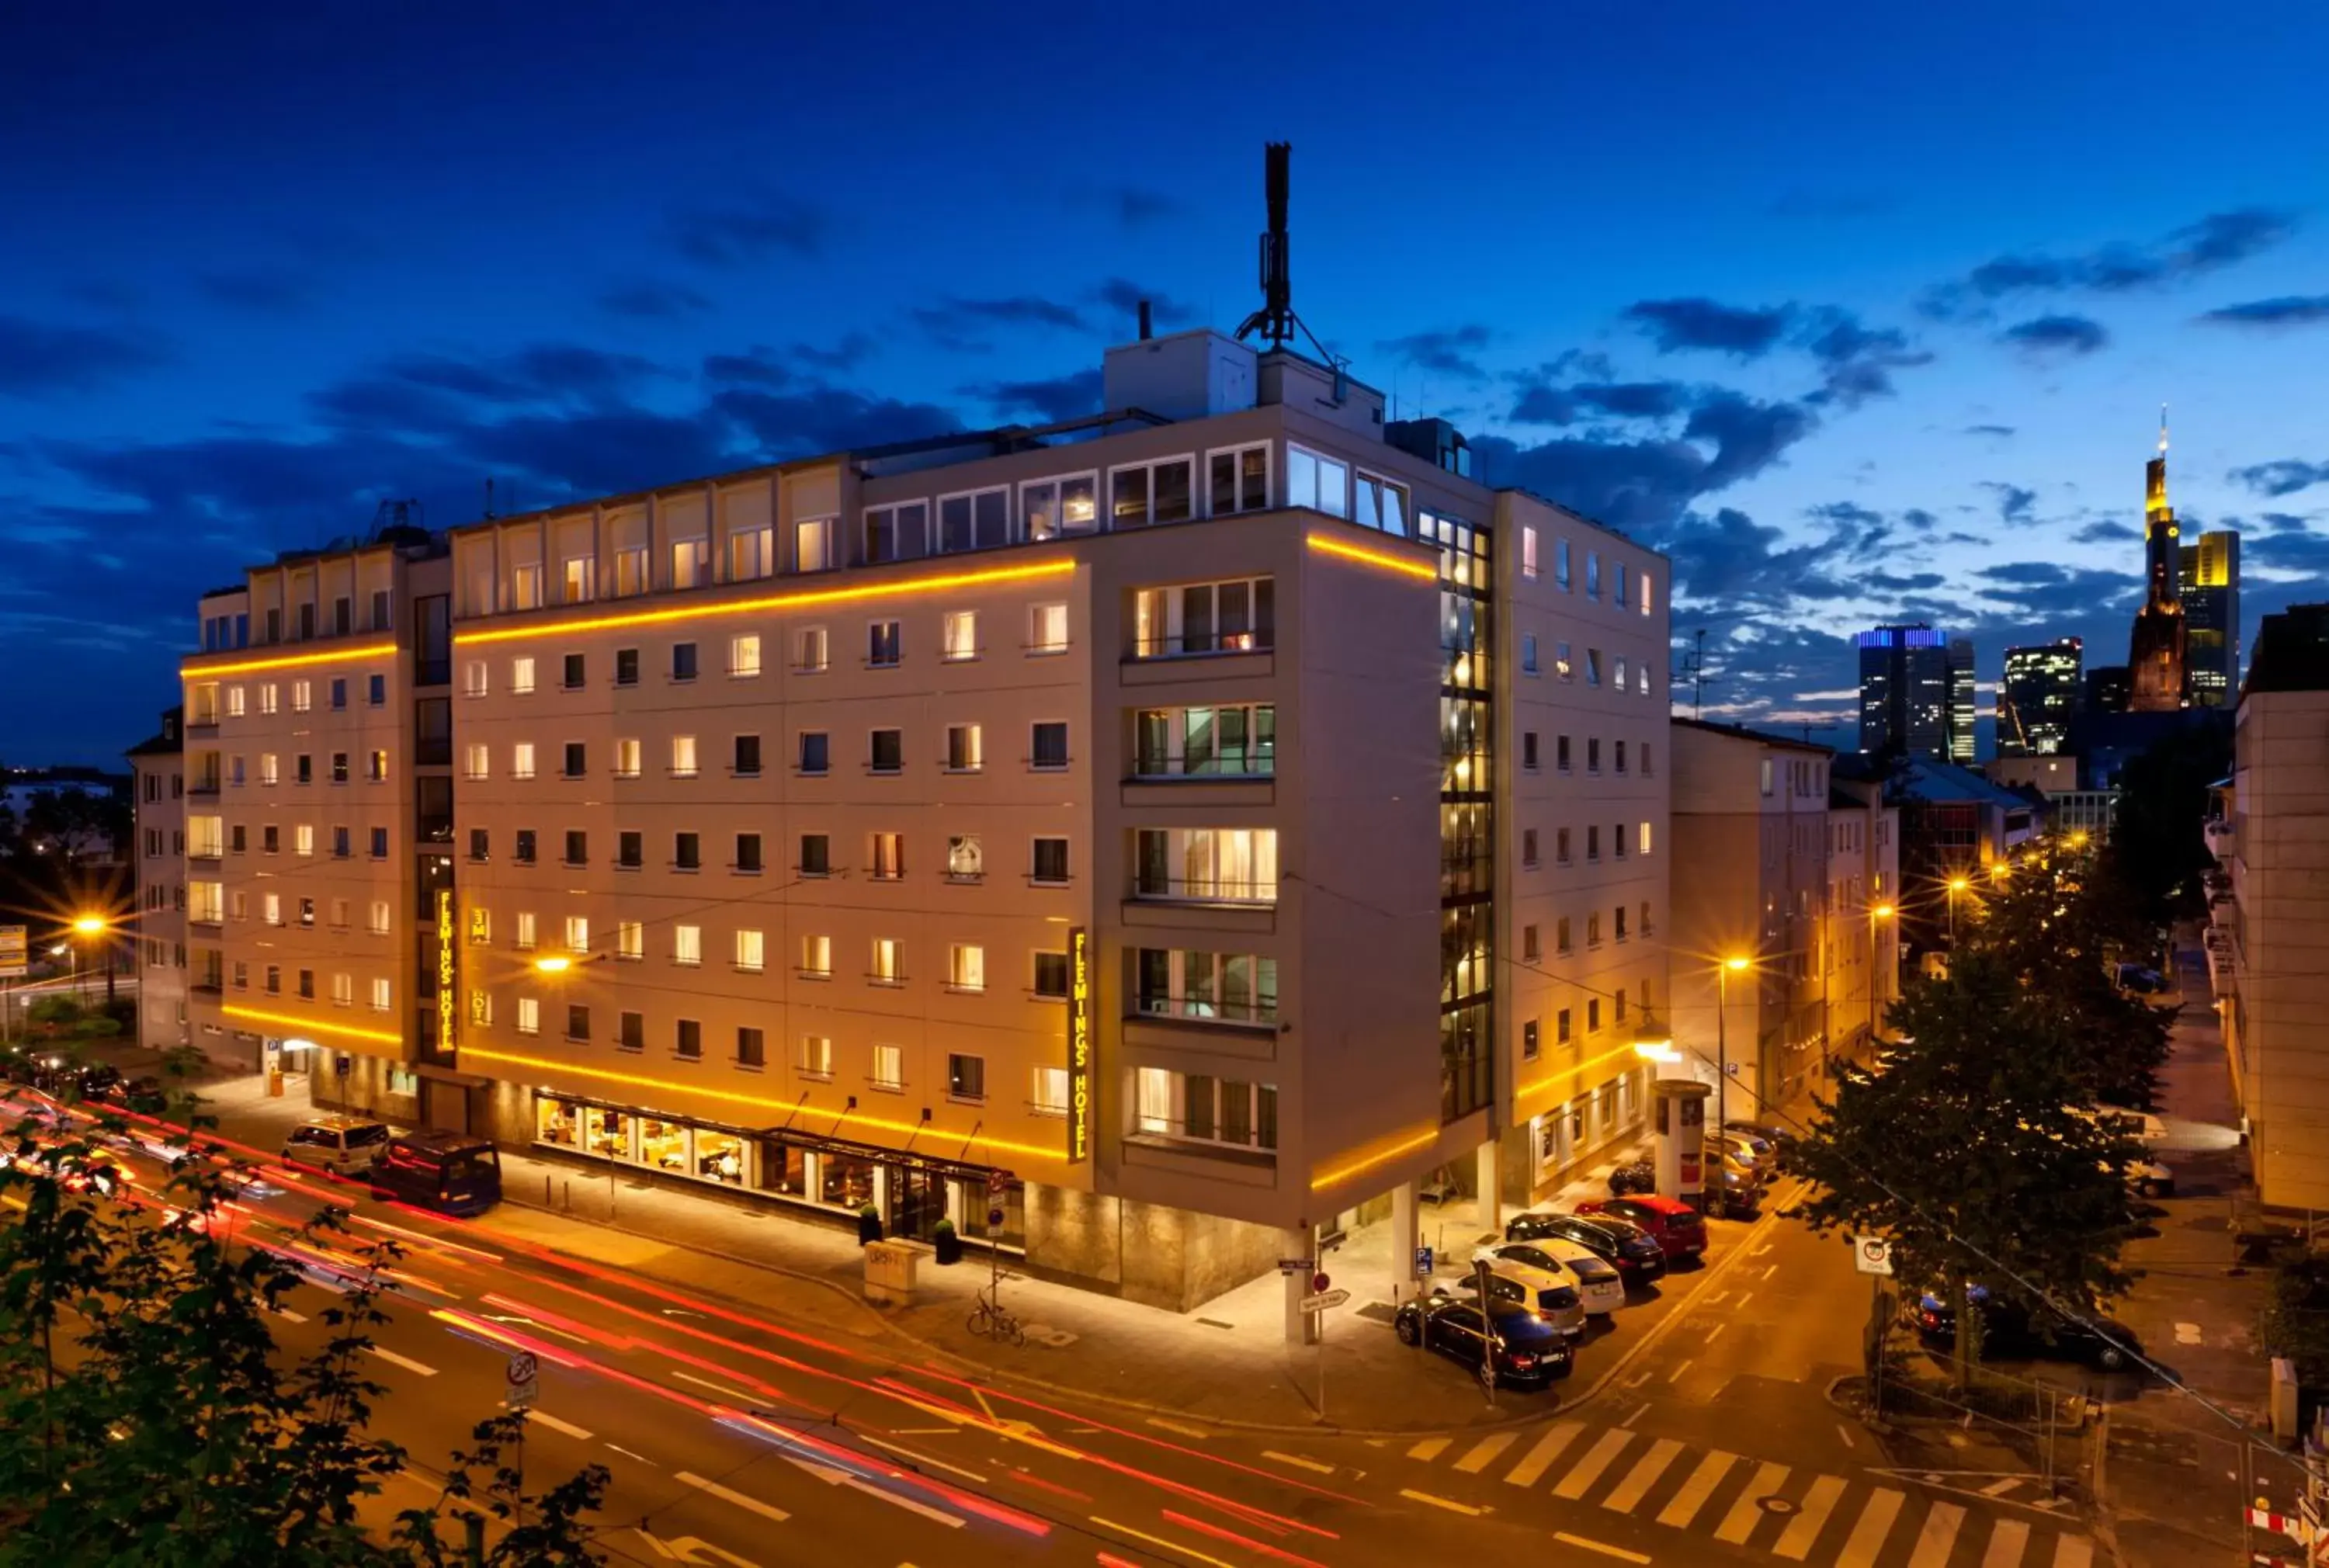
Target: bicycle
990	1320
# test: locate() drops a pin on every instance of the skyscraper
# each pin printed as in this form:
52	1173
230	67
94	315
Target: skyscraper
2156	654
2039	697
2208	584
1904	691
1960	700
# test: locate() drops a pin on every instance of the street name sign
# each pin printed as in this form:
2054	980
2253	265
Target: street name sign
1324	1299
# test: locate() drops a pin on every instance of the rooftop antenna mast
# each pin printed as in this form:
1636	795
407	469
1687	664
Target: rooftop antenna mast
1275	323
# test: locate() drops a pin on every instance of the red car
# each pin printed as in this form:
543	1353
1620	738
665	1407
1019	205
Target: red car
1675	1226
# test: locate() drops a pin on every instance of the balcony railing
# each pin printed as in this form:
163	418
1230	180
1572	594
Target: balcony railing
1204	890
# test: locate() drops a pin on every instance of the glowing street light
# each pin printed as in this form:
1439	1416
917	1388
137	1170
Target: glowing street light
1737	963
2078	839
1957	886
1654	1044
91	924
555	964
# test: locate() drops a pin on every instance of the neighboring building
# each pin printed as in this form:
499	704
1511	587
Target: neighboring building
2208	584
1124	822
2070	809
2275	842
1752	823
1961	700
2092	812
1904	692
2046	774
2039	697
1859	935
2156	654
157	933
1954	824
2108	687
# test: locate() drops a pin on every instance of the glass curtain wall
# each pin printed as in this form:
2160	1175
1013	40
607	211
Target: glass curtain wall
1467	813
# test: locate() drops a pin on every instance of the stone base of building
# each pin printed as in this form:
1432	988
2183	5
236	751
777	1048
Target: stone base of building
1173	1258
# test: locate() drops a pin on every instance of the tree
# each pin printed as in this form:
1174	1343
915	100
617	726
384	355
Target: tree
2155	849
2295	1322
1969	1154
147	1414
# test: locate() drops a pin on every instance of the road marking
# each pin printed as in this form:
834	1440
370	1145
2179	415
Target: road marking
1602	1546
1678	1513
1844	1432
1819	1502
1939	1534
2187	1333
1769	1271
545	1418
1716	1332
1996	1487
406	1362
1484	1450
950	1430
750	1504
1713	1298
1638	1379
1588	1469
2007	1537
919	1459
1683	1367
1189	1552
1541	1455
1429	1449
939	1516
1746	1510
1177	1426
1639	1410
1452	1506
2074	1552
1875	1523
1744	1295
1643	1476
747	1400
627	1454
1296	1459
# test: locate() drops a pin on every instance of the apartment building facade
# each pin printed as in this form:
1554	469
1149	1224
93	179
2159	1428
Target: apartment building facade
1096	827
157	933
1858	945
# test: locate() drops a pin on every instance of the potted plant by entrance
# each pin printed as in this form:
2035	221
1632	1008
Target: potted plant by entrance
947	1243
869	1225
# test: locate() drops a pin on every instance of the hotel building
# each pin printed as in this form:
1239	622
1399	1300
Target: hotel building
1180	833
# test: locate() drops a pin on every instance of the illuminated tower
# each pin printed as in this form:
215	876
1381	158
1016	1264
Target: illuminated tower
2210	588
2155	660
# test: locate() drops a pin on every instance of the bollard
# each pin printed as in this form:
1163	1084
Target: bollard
566	1197
545	1189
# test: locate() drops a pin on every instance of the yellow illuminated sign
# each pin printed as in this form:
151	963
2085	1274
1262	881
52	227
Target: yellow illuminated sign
449	1009
1079	1045
1326	544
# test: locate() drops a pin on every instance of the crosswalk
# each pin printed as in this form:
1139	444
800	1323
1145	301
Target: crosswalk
1827	1521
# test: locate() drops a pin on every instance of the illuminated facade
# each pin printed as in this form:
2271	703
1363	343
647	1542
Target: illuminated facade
2156	654
2039	697
2208	585
1961	699
1905	691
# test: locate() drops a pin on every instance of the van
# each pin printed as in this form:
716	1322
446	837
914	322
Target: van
450	1172
344	1145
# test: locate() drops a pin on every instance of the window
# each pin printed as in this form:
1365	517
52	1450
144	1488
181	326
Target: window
1206	742
303	768
1382	504
1317	482
959	636
266	774
524	852
627	759
1529	1045
888	960
339	767
751	553
380	996
966	859
966	968
631	1032
1530	949
1561	666
1645	842
522	759
811	653
978	520
887	860
340	850
1528	750
1766	775
1593	939
303	695
687	945
1152	492
1618	761
691	563
1528	552
752	952
682	660
813	549
578	1022
630	570
529	1016
575	672
881	646
521	677
815	855
686	851
1049	1092
886	751
577	934
816	755
746	756
1200	1109
479	760
630	940
1229	865
1240	480
1561	943
1052	975
1617	839
895	532
1049	508
747	853
1593	666
966	1078
1047	629
1592	754
270	838
816	1057
234	698
683	756
307	984
271	908
1049	746
343	989
744	655
376	690
1617	584
1617	672
273	982
1050	863
1560	562
627	666
1618	929
1215	987
522	935
577	760
1528	847
1592	574
303	839
1528	654
817	957
889	1068
1593	842
1228	618
1560	1028
579	580
630	850
380	843
1593	1016
339	694
1561	845
378	922
964	752
751	1049
1642	594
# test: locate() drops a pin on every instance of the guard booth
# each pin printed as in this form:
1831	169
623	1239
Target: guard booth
1679	1139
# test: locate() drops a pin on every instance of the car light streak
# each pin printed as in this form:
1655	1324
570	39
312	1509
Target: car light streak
861	1466
1205	1527
546	1319
469	1326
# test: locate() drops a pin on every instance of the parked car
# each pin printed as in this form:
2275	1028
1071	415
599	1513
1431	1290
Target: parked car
1733	1192
1600	1289
1777	1138
1551	1293
1750	1152
1633	1251
1634	1175
2009	1330
1677	1228
1522	1347
344	1144
145	1096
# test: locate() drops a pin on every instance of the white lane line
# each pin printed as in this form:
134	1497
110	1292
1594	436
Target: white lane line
923	1459
544	1418
1429	1449
1716	1332
1747	1509
1452	1506
1603	1548
1810	1517
1184	1429
751	1505
1940	1536
1715	1298
1541	1455
1643	1476
1768	1273
1685	1504
2007	1537
1639	1410
939	1516
1996	1487
1844	1432
1680	1368
1744	1295
627	1454
1296	1459
2074	1552
1586	1470
1484	1451
736	1394
1867	1536
407	1362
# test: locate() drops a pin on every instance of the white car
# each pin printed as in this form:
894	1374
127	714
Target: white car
348	1145
1600	1289
1552	1293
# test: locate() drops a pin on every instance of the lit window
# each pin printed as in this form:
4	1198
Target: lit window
1240	480
381	1000
266	698
752	952
1528	552
577	934
521	759
889	1068
964	753
810	652
816	1057
966	968
303	695
303	840
691	562
1231	865
687	945
627	759
580	579
882	646
1049	508
1645	839
683	756
966	859
1049	1091
888	955
234	702
529	1016
812	545
1230	618
886	861
817	957
379	922
959	635
966	1078
630	939
523	936
1317	482
751	553
1047	629
744	654
521	676
343	989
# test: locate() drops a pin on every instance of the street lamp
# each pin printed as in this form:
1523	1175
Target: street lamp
1733	964
2078	839
92	926
553	963
1957	886
1653	1043
1875	971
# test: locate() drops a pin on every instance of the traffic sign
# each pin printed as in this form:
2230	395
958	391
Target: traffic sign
1297	1266
525	1378
14	951
1324	1299
1872	1255
995	1219
1423	1259
995	1179
1318	1282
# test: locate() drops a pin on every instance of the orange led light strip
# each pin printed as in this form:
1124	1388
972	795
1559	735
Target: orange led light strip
806	599
856	1118
1549	1079
312	1026
193	668
1360	1166
1325	544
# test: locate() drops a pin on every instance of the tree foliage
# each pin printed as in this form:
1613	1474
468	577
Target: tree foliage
2295	1322
2156	851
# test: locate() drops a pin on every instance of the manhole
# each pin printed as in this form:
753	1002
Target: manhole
1775	1505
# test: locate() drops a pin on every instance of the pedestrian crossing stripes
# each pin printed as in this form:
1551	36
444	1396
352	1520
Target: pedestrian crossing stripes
1823	1521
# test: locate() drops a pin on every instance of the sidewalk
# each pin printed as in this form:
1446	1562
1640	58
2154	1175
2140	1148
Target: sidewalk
1227	1363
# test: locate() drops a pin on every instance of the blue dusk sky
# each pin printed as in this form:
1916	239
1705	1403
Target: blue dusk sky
1861	312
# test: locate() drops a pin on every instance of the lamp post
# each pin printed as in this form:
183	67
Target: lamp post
1875	971
90	927
1722	1037
1957	886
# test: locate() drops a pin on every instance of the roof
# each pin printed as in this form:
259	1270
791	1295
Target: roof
1923	779
2291	651
1761	738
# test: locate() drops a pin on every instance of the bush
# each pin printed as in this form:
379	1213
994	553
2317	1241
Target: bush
60	1011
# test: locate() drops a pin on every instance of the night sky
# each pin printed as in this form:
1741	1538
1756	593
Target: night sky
1862	312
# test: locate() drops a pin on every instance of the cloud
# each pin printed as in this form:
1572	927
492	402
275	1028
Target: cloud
1677	325
1998	431
652	299
2015	504
2107	531
743	231
2286	310
2040	574
268	291
1858	360
763	366
2217	240
821	418
2285	476
1543	404
434	393
1446	351
2284	521
2045	335
951	321
853	350
1132	206
1067	397
1123	296
37	359
1729	558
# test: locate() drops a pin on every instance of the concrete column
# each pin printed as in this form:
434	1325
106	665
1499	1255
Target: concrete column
1403	1242
1492	1185
1301	1327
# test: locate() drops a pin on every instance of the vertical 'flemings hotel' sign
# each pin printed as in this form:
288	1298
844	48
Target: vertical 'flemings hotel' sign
1079	1045
448	1015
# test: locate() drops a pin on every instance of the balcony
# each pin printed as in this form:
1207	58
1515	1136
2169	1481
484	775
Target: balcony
2217	833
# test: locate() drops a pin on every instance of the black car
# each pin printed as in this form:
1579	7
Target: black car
1633	1250
1734	1195
1528	1350
2009	1330
1634	1175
